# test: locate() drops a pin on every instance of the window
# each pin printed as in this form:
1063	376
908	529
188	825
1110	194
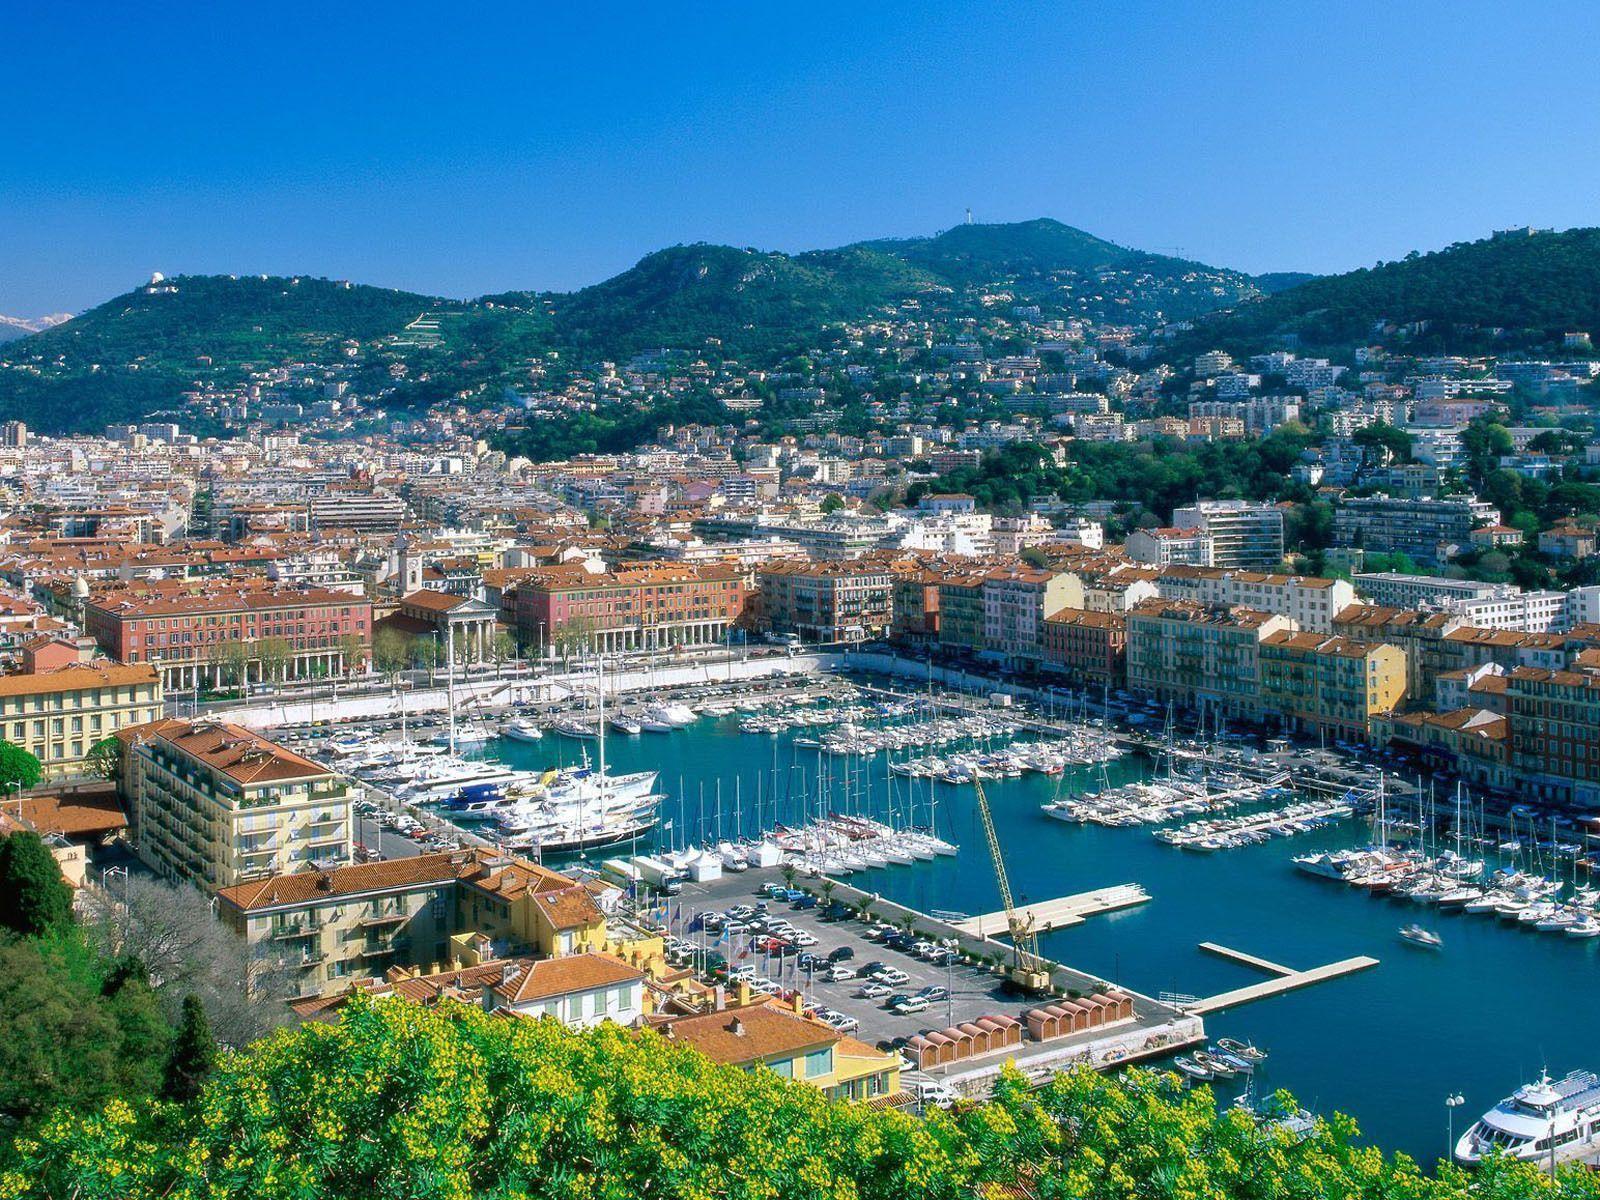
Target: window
819	1062
782	1067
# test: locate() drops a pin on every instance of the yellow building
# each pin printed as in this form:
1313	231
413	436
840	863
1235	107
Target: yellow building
216	804
763	1036
1330	684
1199	656
59	716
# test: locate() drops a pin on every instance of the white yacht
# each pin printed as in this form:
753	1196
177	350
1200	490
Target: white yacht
670	712
573	728
522	730
1542	1122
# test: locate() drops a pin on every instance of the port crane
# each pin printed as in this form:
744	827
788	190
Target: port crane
1028	970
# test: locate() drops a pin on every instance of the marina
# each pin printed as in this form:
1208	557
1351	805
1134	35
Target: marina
724	790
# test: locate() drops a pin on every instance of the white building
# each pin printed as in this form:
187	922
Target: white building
1242	534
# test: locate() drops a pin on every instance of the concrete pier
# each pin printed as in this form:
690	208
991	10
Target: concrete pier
1284	979
1061	913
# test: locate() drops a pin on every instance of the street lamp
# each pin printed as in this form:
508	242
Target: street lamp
1452	1102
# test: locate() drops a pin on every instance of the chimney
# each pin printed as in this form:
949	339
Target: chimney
508	972
799	1003
719	997
736	1027
743	995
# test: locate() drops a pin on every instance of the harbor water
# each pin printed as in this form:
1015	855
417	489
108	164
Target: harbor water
1480	1016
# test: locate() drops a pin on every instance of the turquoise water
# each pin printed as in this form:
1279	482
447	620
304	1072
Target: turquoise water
1386	1046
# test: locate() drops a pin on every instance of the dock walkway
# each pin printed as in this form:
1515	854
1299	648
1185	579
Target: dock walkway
1284	979
1061	913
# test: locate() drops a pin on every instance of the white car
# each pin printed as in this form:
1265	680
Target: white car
873	991
930	1093
911	1004
893	976
801	938
840	972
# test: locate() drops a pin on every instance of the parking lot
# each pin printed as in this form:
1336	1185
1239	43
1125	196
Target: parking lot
971	992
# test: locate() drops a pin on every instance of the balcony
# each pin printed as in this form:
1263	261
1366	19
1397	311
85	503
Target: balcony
394	916
376	951
298	929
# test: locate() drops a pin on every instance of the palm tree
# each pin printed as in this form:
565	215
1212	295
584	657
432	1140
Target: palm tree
789	872
827	890
907	922
864	911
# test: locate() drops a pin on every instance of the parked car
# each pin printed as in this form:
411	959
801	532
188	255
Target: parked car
935	991
872	991
911	1004
840	953
805	903
841	972
892	976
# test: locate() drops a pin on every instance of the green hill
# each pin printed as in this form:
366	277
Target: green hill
749	299
1533	288
250	318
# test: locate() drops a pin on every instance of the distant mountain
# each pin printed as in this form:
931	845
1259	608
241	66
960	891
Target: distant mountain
1507	291
12	328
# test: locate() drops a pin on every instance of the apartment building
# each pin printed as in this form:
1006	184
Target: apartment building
1201	657
216	634
961	613
914	605
1417	528
1015	600
360	512
1553	718
321	929
1243	535
1421	635
1167	546
1331	685
60	715
828	601
1309	601
637	606
215	804
1089	646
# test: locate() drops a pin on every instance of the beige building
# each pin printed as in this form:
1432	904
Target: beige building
1333	685
218	804
1204	658
59	716
329	928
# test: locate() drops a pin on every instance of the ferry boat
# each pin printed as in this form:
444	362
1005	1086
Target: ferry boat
1547	1121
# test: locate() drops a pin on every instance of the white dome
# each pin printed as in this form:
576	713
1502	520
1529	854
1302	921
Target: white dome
156	277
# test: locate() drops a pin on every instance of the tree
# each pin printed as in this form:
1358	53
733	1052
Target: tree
186	950
231	659
391	653
104	759
34	897
831	503
1382	443
353	652
828	888
193	1054
18	768
275	655
790	871
399	1099
503	648
73	1030
1035	556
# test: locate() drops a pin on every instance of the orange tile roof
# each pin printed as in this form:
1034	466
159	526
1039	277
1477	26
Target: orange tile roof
77	677
755	1031
549	977
479	868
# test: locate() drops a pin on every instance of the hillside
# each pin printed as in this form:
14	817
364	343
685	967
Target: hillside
138	354
253	318
1533	288
749	299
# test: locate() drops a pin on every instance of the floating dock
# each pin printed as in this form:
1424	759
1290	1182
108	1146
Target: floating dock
1061	913
1284	979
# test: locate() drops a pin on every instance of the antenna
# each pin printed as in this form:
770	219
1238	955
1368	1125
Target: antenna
969	214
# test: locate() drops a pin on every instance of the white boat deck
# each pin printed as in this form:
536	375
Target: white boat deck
1061	913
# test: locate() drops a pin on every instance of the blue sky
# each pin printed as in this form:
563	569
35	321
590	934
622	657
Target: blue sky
462	149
